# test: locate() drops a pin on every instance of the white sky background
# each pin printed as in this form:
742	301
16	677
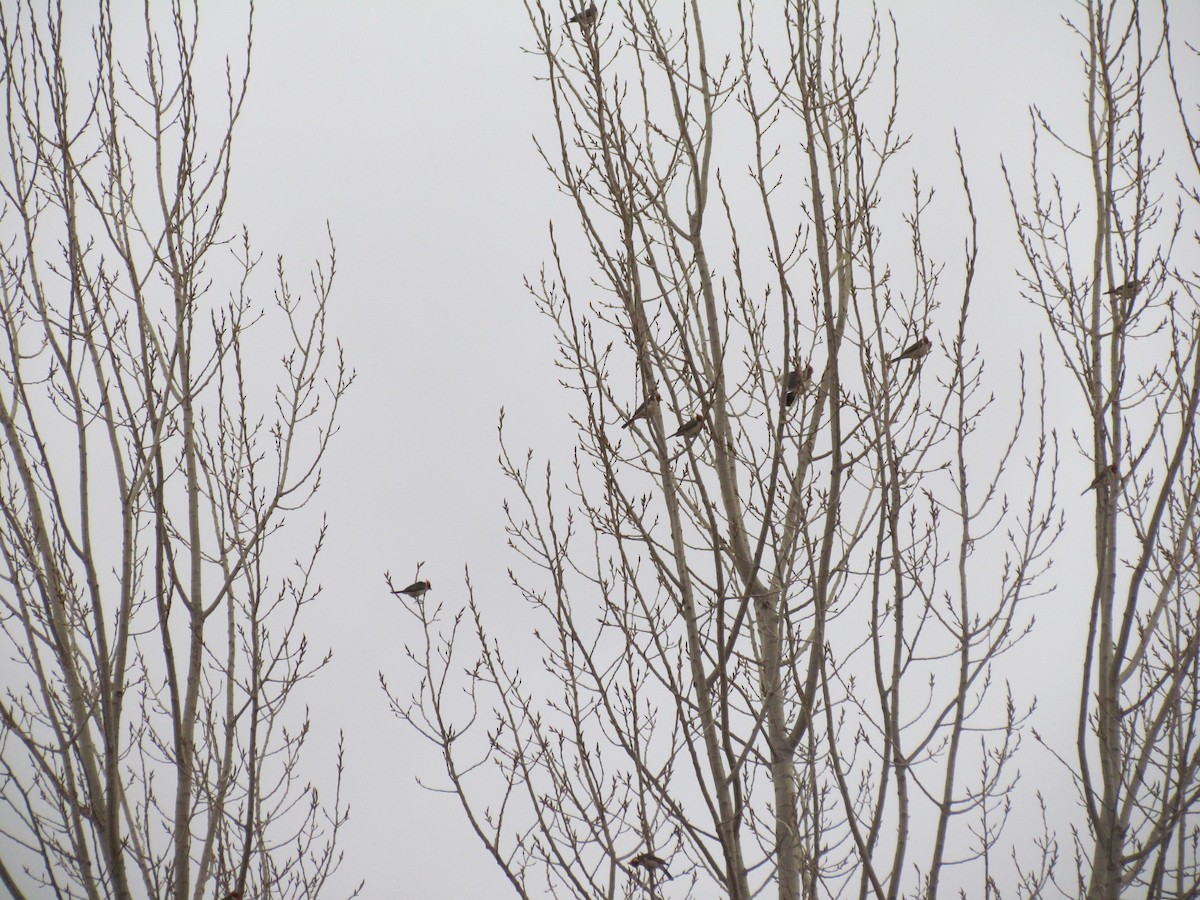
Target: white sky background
407	125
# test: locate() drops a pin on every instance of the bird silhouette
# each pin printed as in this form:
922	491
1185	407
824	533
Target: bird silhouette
417	589
650	863
915	350
795	383
644	410
691	427
585	19
1106	475
1126	291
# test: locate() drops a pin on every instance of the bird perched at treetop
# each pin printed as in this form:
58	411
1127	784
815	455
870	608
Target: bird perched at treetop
585	19
1106	475
915	350
644	410
1126	291
417	589
795	383
691	427
650	863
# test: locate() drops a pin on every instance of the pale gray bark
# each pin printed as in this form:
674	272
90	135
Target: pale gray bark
144	750
741	628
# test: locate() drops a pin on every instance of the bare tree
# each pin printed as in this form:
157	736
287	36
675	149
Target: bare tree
1124	317
771	606
153	635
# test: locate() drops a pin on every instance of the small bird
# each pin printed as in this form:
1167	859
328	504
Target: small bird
586	19
1104	476
1126	291
417	589
691	427
650	863
795	383
644	410
915	350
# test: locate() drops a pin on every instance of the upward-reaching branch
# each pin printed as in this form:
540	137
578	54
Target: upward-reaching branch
1124	321
744	600
149	749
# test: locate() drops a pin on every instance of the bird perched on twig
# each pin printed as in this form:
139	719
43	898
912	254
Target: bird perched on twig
416	590
691	427
1106	475
644	410
795	383
1126	291
650	863
585	19
915	350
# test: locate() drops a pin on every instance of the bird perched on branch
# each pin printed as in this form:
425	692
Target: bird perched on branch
650	863
795	383
417	589
585	19
644	410
915	350
691	427
1106	475
1126	291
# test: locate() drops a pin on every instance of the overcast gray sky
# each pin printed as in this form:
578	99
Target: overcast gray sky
407	125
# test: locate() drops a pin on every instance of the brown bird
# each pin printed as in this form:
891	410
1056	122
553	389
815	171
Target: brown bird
795	383
585	19
650	863
1104	476
644	410
915	350
417	589
691	427
1126	291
